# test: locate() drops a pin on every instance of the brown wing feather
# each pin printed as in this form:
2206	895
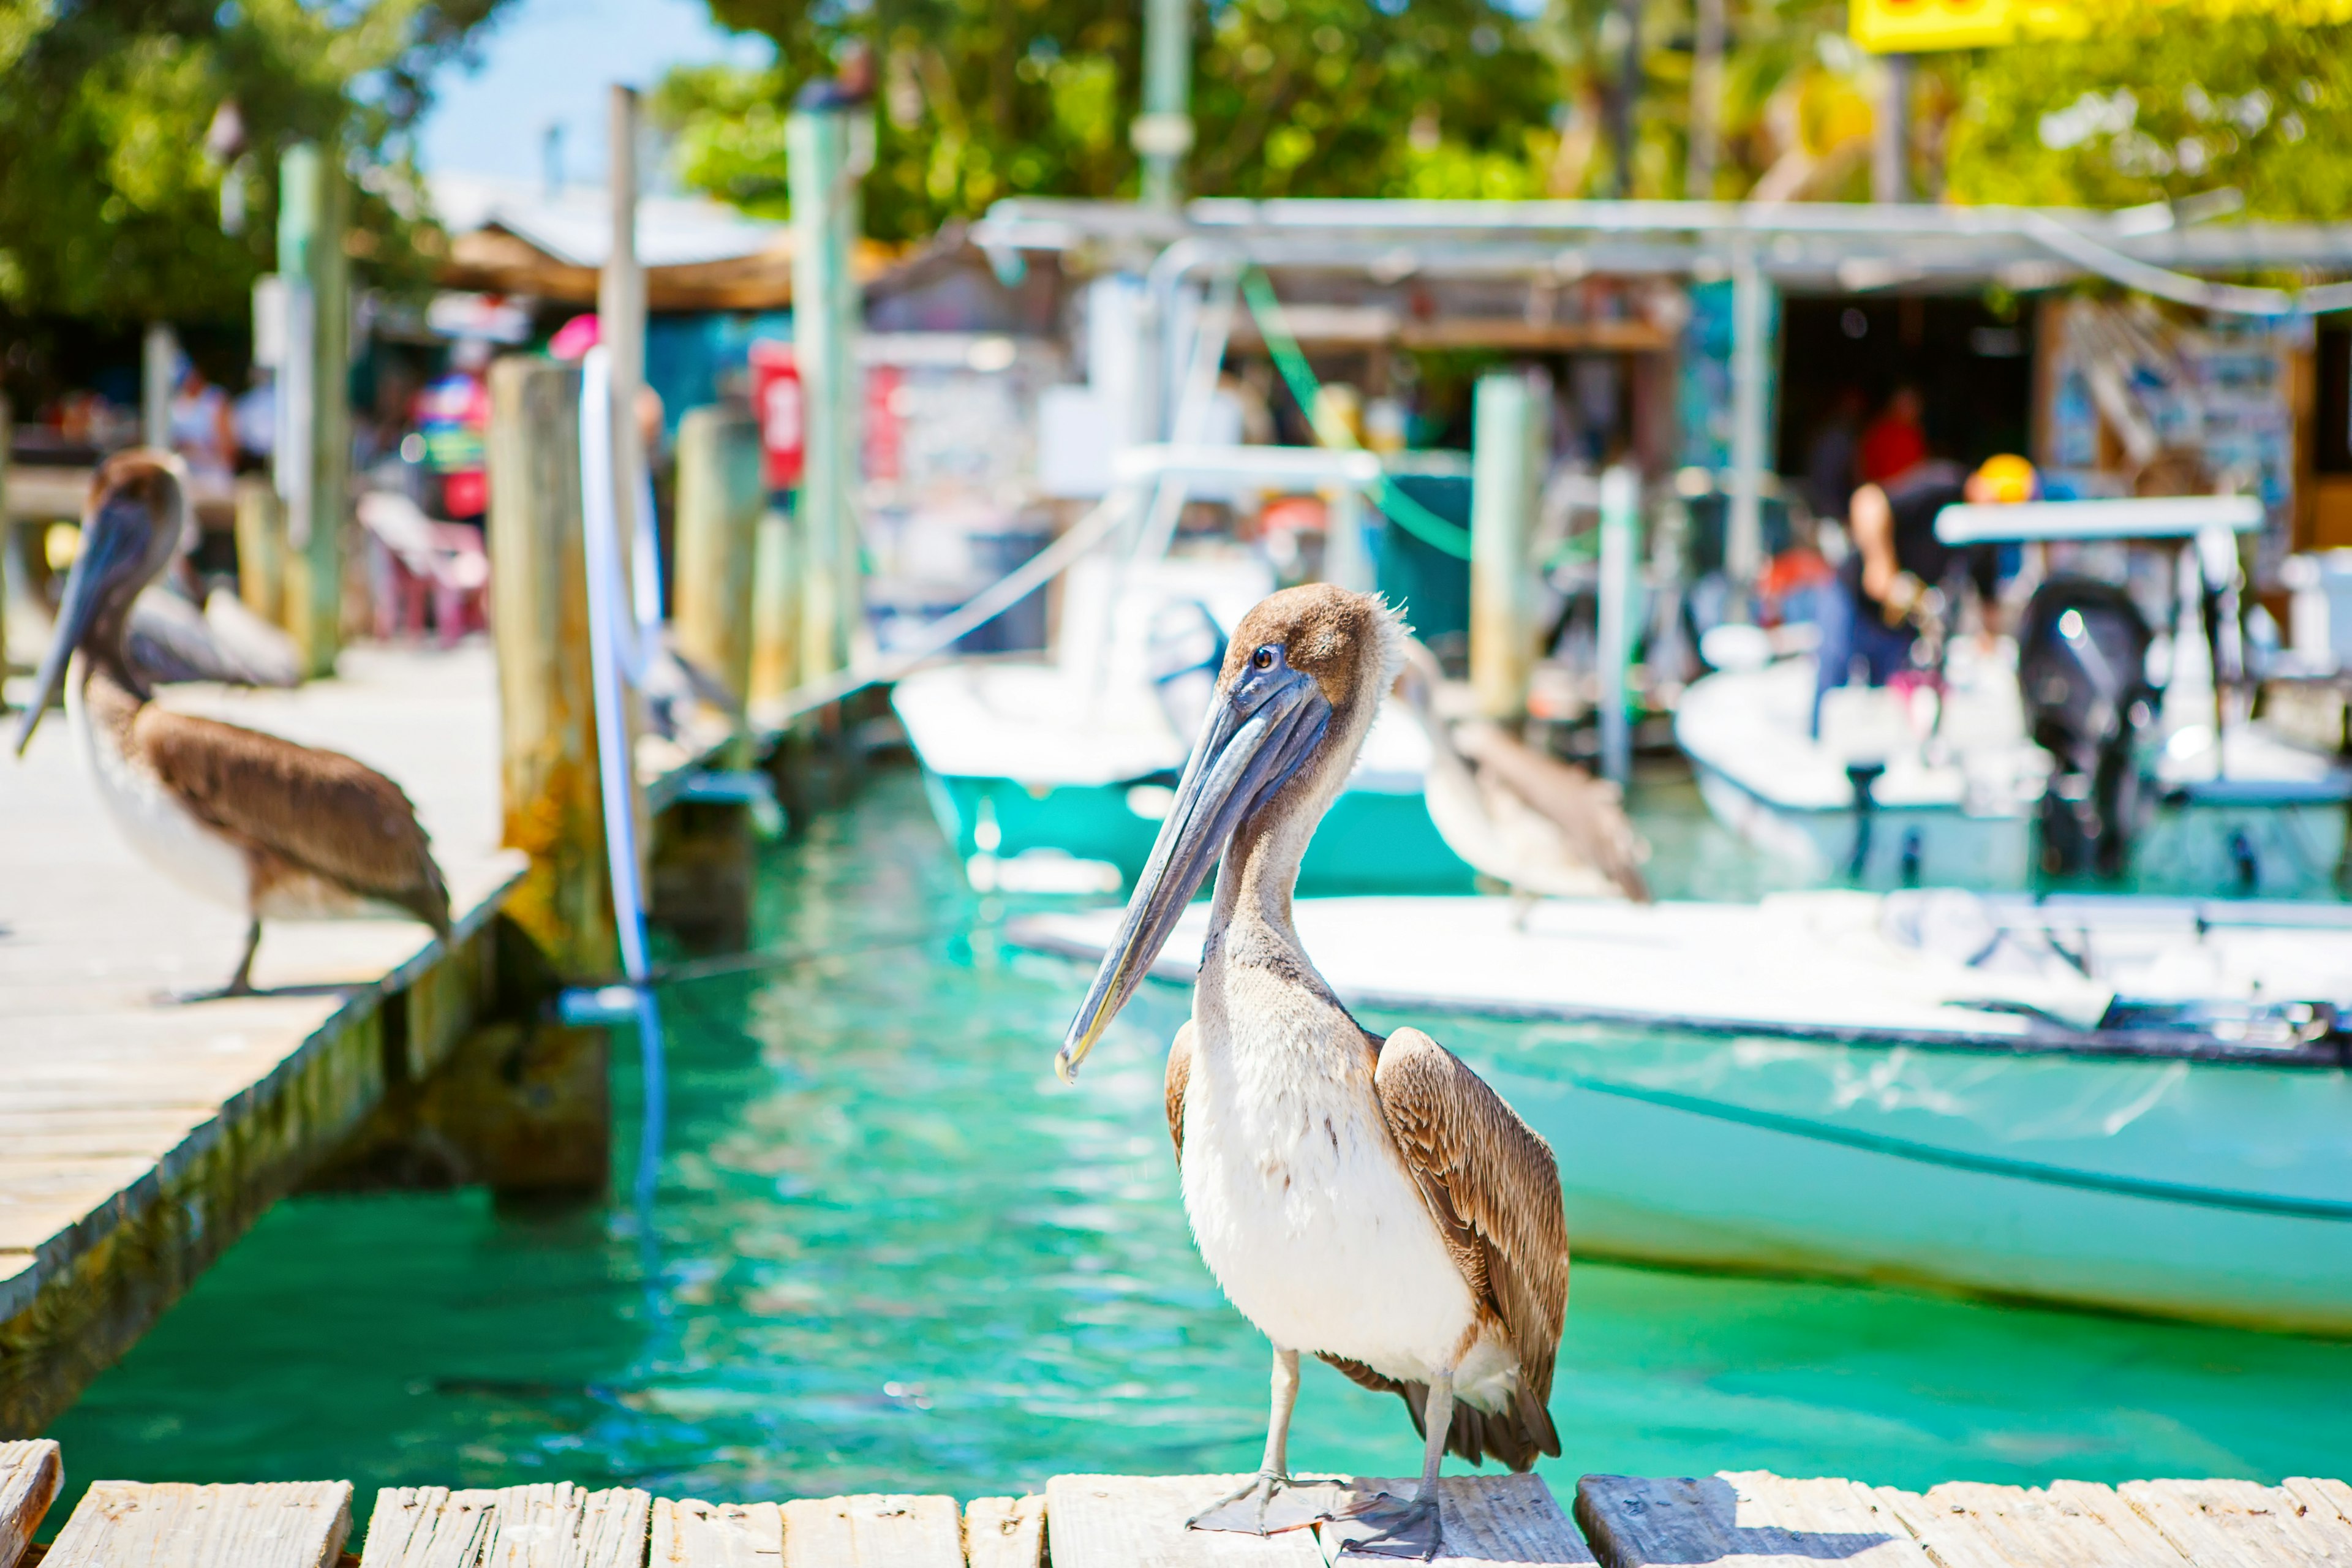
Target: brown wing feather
318	810
1179	1075
1491	1182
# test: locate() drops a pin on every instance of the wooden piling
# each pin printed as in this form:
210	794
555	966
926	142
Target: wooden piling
261	549
1511	418
718	526
553	809
314	208
775	612
824	327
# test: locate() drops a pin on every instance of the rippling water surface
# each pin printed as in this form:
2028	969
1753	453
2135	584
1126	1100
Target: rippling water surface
890	1251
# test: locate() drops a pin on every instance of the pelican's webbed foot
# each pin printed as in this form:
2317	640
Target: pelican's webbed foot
1269	1505
1407	1526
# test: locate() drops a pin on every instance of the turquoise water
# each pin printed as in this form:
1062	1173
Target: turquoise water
888	1251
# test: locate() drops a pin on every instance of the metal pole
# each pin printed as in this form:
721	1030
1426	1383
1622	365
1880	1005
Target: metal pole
1621	500
1347	556
1510	423
1164	132
824	327
1624	92
1890	151
1743	545
1706	101
159	367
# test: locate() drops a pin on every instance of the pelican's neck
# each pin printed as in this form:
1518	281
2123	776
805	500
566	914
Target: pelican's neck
1260	867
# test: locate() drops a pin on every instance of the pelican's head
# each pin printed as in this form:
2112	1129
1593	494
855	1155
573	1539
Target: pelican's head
132	527
1303	678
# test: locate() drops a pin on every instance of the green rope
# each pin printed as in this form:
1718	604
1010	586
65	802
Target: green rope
1439	533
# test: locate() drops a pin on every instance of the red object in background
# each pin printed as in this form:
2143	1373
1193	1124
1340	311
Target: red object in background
783	411
1787	574
885	421
1891	445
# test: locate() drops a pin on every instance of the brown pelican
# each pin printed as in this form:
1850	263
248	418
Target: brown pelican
244	819
1530	821
1370	1200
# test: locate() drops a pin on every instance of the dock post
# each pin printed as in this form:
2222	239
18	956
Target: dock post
818	145
701	882
553	811
314	430
1621	501
1511	423
1743	542
776	610
261	550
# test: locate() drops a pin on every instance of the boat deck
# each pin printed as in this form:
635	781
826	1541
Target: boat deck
138	1137
1750	1519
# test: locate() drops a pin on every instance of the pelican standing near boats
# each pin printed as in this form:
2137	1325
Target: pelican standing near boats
266	826
1372	1202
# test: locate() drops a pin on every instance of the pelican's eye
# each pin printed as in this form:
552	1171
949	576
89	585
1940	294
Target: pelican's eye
1262	660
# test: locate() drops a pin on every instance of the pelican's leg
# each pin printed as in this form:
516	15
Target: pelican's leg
1409	1526
240	984
1260	1508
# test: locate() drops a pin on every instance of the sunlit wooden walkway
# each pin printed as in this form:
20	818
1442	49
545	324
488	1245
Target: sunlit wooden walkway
139	1138
1739	1521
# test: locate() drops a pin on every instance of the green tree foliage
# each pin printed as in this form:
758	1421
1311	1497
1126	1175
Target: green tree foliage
2151	100
985	99
111	205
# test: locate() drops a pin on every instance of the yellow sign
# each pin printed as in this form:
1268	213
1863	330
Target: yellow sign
1914	27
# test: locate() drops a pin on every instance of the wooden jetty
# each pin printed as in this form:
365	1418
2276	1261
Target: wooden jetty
138	1141
1746	1519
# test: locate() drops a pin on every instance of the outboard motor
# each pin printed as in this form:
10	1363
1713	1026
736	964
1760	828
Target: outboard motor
2082	664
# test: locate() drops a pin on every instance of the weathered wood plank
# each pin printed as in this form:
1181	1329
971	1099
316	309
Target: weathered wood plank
1004	1532
690	1533
873	1530
2327	1504
1125	1521
1741	1519
2226	1523
2074	1524
172	1524
1486	1518
30	1474
548	1525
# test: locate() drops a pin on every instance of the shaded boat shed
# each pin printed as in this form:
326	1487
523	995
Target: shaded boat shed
1739	296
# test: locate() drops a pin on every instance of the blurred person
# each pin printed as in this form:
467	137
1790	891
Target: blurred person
1830	460
203	425
254	421
1900	577
1897	441
451	414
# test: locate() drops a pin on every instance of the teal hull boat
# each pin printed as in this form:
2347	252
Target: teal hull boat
2134	1105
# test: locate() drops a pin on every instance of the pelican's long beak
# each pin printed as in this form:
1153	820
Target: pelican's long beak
1257	734
113	538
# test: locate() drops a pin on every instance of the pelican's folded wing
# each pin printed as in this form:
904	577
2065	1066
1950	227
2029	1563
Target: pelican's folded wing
1490	1182
317	809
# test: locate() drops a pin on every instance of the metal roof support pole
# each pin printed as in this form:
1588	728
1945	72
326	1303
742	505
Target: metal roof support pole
1890	142
159	364
1743	544
1620	504
824	324
1511	424
1162	134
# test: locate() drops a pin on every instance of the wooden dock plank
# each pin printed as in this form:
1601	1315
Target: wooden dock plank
874	1531
690	1533
1966	1524
1741	1520
1491	1518
1125	1521
547	1524
2237	1524
1004	1532
2327	1504
30	1474
172	1524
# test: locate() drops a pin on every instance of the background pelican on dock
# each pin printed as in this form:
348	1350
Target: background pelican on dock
1531	822
245	819
1370	1200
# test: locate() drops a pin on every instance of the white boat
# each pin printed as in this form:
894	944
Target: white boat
2135	1104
